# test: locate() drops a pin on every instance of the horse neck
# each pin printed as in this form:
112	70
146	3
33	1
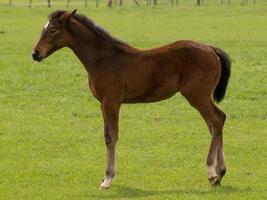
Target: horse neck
90	47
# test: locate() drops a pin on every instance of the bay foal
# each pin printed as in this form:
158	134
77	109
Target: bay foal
119	73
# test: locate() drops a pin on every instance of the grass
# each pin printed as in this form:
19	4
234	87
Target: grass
51	140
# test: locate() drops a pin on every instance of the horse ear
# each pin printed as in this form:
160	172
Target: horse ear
66	17
74	11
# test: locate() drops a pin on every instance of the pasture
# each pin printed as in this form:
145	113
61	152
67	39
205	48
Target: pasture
51	132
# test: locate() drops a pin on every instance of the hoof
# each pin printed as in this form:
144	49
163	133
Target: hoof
105	183
103	188
221	172
215	181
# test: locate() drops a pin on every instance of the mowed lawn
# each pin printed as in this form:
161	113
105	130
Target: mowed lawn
51	132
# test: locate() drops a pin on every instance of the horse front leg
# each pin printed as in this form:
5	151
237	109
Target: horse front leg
110	111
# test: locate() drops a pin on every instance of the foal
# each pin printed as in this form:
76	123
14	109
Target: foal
119	73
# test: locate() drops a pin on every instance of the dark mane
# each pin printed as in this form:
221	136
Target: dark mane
97	29
56	14
90	25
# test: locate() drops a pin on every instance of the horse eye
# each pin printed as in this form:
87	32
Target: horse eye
52	31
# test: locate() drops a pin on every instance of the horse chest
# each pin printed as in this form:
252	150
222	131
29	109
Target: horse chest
104	86
95	89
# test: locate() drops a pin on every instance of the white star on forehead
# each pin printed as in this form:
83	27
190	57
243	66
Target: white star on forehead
46	24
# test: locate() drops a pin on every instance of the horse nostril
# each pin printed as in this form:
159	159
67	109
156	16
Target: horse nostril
35	55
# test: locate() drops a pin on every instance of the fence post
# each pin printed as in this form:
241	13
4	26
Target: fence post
136	2
67	4
244	1
109	3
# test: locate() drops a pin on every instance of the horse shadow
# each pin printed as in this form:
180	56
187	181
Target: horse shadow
124	191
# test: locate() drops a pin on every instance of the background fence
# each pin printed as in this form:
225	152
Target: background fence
110	3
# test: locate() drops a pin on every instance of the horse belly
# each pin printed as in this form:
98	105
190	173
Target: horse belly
152	91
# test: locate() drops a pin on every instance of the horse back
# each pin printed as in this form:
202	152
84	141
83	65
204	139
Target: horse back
155	74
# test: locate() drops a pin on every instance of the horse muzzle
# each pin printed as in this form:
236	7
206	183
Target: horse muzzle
36	55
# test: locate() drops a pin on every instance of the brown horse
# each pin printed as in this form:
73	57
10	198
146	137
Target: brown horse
119	73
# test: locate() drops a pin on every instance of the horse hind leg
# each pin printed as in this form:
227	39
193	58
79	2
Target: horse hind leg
215	120
221	166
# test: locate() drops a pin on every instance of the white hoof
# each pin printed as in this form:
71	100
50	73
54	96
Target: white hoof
211	172
106	183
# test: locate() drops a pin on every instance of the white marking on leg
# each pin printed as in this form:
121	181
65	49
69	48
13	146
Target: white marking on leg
106	183
212	171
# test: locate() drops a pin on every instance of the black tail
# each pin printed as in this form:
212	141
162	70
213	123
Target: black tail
220	89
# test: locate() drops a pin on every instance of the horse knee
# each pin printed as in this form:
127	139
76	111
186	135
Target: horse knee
110	137
110	140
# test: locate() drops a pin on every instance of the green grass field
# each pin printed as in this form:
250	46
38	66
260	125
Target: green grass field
51	132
